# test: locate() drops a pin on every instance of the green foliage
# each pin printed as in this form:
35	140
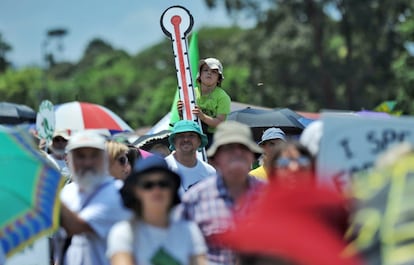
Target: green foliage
24	86
4	49
306	55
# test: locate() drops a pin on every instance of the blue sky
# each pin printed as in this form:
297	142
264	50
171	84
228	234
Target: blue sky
131	25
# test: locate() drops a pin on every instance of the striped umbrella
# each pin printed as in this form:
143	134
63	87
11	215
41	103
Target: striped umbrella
77	115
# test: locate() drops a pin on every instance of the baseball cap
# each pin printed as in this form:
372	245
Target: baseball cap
272	133
229	132
187	126
86	139
65	134
213	63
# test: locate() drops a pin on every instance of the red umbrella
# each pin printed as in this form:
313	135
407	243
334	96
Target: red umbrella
82	115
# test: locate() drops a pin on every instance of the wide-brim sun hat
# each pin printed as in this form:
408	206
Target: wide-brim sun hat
187	126
233	132
142	167
153	163
85	138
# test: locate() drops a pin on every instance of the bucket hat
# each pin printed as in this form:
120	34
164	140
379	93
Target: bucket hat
229	132
187	126
143	166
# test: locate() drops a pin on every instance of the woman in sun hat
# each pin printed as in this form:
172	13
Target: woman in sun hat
153	236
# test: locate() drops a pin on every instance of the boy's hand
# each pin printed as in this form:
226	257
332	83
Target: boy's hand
199	113
180	106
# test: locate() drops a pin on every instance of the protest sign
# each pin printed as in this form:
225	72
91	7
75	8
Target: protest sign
351	143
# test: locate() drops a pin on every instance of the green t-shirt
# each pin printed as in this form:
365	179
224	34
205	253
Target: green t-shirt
215	103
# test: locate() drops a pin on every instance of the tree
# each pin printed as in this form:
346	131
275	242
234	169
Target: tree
4	49
324	53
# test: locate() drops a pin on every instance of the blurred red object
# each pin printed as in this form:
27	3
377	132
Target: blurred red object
304	224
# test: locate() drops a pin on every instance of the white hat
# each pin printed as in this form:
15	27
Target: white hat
86	139
214	63
311	136
65	134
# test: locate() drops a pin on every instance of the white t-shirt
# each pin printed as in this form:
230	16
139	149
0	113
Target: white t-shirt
190	175
103	210
181	240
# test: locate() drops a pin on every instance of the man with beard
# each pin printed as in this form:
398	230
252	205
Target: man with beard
91	204
186	138
211	202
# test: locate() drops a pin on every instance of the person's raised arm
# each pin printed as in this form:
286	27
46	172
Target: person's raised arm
210	121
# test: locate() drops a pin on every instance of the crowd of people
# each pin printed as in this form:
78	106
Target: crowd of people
248	203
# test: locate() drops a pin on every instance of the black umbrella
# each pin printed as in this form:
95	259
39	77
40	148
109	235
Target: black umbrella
261	119
147	142
13	113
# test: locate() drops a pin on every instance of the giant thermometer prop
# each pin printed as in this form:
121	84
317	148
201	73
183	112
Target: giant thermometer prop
177	22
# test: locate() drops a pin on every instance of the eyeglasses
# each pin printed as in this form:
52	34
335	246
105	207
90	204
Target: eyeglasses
149	185
284	162
122	160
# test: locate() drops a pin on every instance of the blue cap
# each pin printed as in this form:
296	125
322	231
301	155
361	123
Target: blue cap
187	126
273	133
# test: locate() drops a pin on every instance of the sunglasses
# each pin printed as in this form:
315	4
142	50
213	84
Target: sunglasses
284	162
149	185
122	160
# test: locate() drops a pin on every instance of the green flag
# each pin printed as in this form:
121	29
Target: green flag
193	55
